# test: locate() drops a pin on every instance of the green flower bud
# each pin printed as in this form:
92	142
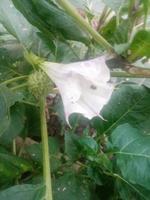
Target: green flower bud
39	84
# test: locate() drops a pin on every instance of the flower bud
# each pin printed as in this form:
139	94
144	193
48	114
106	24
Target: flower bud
39	84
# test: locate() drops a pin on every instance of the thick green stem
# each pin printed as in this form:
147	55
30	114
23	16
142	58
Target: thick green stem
128	75
71	10
45	148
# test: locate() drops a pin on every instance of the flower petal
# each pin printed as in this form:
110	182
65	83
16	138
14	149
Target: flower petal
95	70
83	85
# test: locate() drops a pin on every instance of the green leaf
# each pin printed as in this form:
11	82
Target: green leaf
21	29
75	146
7	99
108	29
48	18
140	45
116	34
71	148
23	192
132	154
16	125
88	145
71	186
10	53
134	192
35	152
121	48
129	103
14	22
11	166
146	4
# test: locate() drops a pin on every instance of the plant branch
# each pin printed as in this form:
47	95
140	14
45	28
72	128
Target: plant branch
19	86
138	71
124	74
71	10
13	80
128	70
45	149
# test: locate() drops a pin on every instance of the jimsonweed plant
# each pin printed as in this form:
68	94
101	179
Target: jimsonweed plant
74	100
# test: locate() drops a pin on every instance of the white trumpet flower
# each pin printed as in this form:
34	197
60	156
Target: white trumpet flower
83	86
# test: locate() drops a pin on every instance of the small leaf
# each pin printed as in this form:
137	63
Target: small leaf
7	99
88	145
16	125
71	148
35	151
140	45
11	166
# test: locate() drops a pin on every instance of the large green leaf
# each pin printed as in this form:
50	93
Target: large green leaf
132	151
129	191
128	104
71	186
23	192
15	23
48	18
21	29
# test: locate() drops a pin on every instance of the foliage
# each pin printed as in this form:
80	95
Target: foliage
98	159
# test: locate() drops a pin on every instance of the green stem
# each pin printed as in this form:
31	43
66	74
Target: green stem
19	86
145	19
118	18
71	10
14	147
13	80
29	103
45	148
130	9
128	75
